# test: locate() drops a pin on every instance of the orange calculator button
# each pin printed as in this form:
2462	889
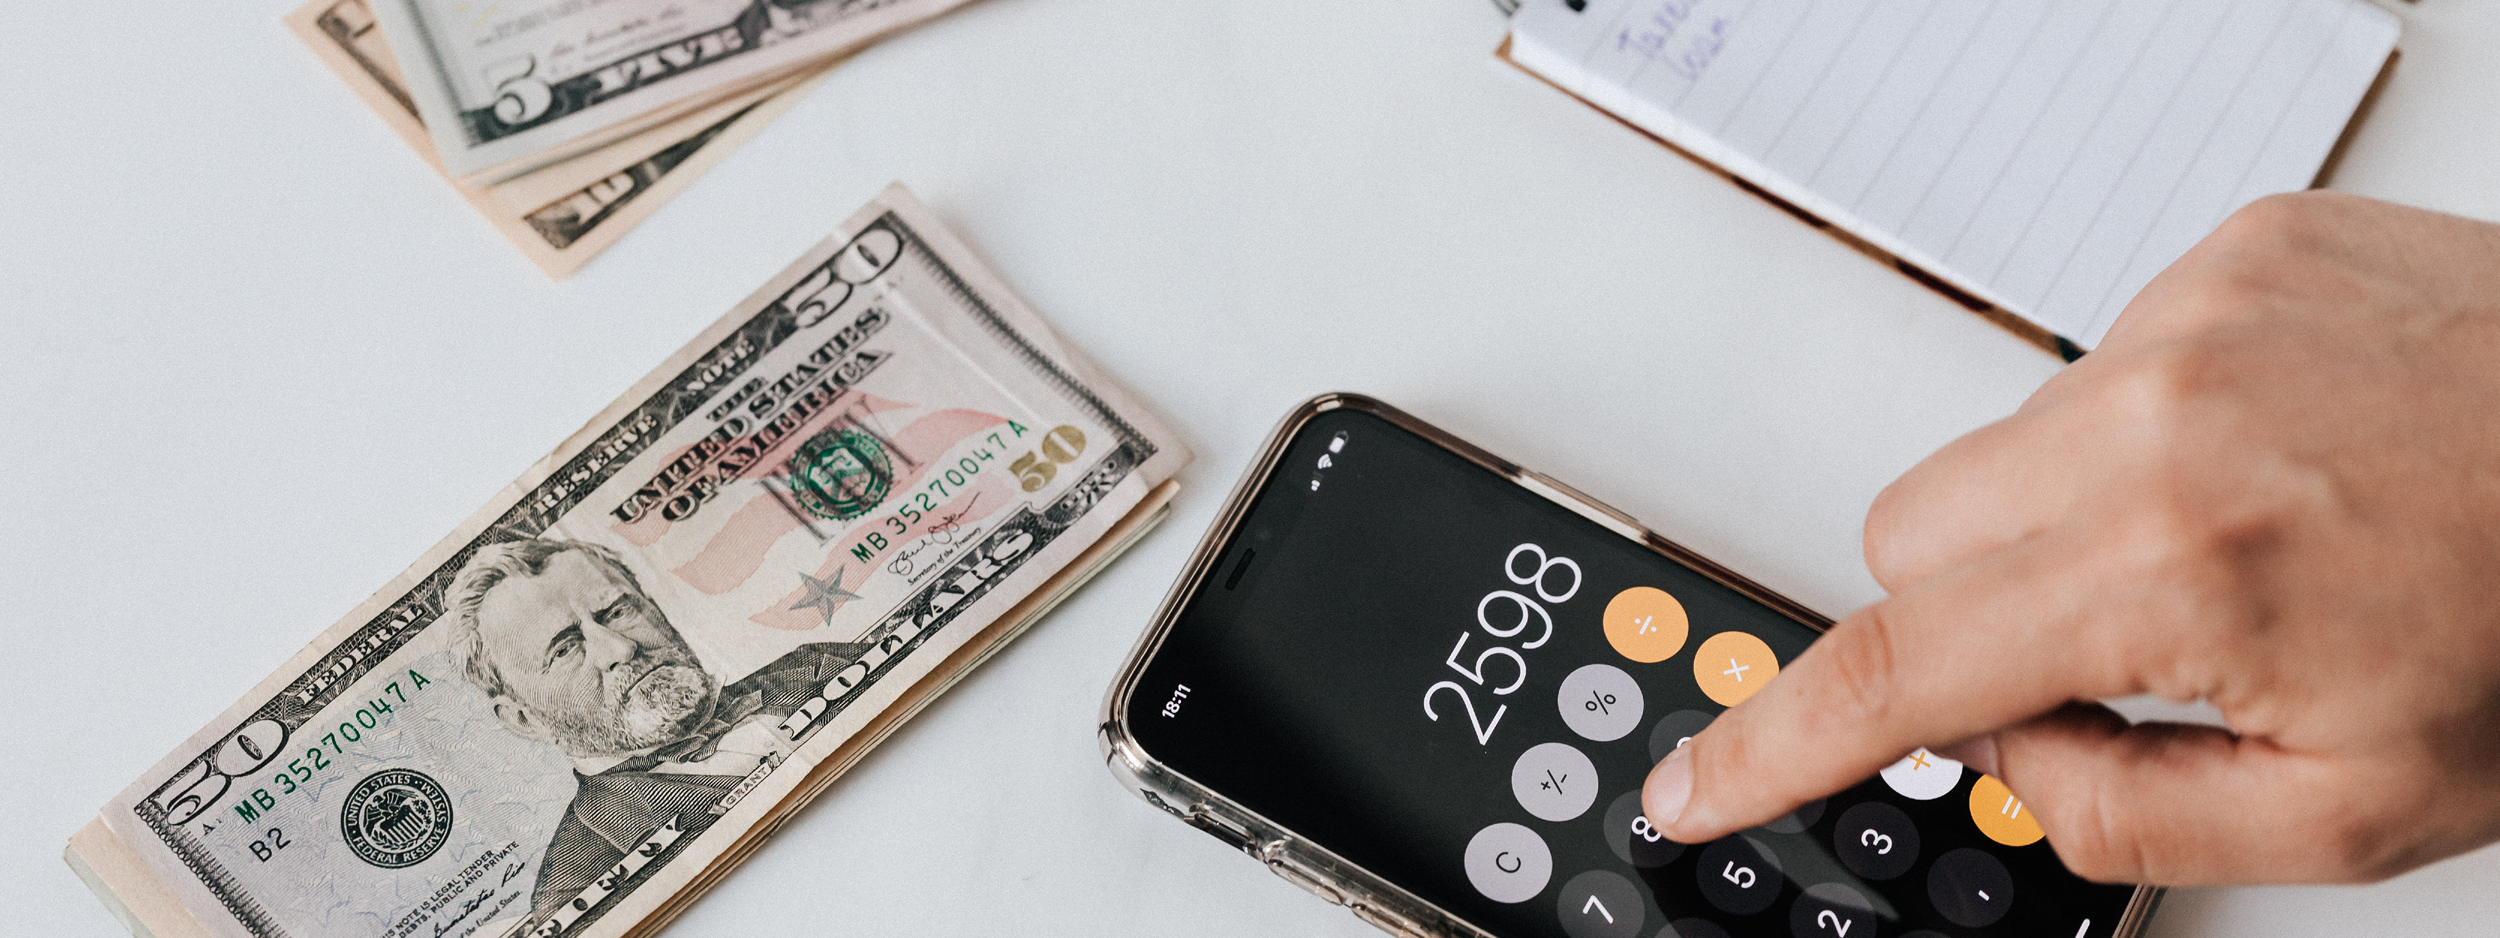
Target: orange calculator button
1732	666
1645	624
2000	815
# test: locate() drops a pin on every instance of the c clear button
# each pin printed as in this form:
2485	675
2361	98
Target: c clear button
1508	863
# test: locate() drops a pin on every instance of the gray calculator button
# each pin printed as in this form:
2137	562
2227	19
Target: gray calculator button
1796	822
1875	840
1600	904
1600	702
1692	928
1970	888
1554	781
1831	910
1739	875
1508	863
1632	838
1672	730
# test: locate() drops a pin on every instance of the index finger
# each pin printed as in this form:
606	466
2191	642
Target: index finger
1985	646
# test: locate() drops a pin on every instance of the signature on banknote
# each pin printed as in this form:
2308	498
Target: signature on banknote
945	535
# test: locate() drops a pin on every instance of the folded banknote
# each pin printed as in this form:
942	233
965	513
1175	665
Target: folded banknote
507	87
563	214
605	688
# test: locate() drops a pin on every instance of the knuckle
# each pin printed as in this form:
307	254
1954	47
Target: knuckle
2158	389
2156	408
1862	666
2285	220
2277	248
1887	556
2262	217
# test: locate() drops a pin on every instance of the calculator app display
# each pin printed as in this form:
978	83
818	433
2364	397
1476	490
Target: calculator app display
1461	686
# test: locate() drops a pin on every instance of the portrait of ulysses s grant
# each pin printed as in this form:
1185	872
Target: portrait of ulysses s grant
571	653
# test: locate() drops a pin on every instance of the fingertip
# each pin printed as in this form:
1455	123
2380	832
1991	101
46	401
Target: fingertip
1668	791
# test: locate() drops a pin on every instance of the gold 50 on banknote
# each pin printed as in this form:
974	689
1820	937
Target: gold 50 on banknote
575	711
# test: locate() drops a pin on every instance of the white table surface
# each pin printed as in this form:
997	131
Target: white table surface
256	358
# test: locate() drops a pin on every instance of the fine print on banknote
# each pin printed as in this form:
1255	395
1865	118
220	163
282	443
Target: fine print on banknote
506	87
640	653
563	214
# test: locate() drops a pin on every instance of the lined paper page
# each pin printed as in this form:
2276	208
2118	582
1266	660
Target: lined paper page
2049	156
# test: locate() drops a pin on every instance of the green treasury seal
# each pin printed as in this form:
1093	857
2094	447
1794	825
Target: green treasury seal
396	818
841	474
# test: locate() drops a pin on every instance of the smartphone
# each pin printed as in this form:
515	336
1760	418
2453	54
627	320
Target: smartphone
1421	681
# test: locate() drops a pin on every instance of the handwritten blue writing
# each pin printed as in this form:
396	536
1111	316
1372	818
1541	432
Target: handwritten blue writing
1665	37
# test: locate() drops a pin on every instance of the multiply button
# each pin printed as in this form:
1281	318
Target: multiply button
1732	666
1600	904
1508	863
1923	776
1739	875
1554	781
1970	888
1875	840
1600	702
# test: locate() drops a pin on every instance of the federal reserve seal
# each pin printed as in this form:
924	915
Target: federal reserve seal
841	474
396	818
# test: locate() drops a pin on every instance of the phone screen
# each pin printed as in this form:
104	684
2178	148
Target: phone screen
1439	675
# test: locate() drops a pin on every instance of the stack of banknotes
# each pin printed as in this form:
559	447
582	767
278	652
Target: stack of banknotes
608	686
567	122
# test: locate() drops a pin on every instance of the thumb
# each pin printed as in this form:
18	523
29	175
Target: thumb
2171	803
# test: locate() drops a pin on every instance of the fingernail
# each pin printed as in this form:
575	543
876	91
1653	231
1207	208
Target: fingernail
1669	787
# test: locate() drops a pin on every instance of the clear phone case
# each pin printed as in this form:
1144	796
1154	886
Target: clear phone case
1299	860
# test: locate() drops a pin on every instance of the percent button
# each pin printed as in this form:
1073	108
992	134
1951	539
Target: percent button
1600	702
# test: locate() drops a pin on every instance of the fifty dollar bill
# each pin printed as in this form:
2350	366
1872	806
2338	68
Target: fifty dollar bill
587	702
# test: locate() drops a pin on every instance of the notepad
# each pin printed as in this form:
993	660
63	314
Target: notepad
2044	158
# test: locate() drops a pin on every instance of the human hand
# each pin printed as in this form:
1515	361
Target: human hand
2274	487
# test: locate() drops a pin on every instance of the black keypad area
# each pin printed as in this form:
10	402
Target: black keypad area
1739	875
1970	888
1867	863
1875	840
1827	909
